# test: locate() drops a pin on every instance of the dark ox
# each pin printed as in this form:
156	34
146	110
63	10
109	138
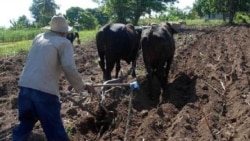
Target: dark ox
117	42
158	49
72	36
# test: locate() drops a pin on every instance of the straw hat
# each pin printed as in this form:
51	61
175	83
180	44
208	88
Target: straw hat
58	24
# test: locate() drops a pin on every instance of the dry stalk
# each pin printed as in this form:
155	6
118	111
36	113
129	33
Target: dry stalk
129	114
81	106
222	94
217	91
206	120
222	85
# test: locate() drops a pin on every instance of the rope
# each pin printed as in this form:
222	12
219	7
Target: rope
129	114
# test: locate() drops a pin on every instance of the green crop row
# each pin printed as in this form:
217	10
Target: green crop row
13	42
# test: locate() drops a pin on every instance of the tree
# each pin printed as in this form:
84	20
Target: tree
175	14
43	10
87	20
224	7
22	22
102	18
237	6
131	10
80	17
220	6
192	14
203	7
73	14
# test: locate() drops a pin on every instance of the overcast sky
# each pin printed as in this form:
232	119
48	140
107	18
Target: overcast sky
13	9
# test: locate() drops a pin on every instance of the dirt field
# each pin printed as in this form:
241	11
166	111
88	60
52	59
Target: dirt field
208	97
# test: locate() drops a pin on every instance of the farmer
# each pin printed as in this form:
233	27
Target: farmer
50	54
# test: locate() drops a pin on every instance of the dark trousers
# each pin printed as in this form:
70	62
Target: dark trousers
34	105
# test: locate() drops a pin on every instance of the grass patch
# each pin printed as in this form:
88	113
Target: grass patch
202	22
13	48
87	35
18	35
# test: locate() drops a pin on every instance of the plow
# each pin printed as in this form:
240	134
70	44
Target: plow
105	117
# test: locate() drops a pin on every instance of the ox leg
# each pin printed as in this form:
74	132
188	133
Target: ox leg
109	67
150	81
169	62
118	68
102	63
78	38
161	75
150	85
133	68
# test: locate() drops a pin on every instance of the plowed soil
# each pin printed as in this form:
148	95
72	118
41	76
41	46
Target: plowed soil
207	99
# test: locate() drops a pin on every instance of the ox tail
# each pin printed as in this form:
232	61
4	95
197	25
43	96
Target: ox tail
100	49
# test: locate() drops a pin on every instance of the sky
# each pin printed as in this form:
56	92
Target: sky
13	9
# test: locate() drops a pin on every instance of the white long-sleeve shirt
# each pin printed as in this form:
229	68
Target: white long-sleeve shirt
49	56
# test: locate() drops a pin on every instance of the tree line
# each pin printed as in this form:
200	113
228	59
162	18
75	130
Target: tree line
228	8
130	11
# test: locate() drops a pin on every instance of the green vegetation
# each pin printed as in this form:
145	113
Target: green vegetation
242	17
226	8
198	22
13	48
14	44
216	12
203	22
14	41
87	35
18	35
132	11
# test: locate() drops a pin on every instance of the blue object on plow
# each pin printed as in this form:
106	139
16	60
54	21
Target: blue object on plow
133	85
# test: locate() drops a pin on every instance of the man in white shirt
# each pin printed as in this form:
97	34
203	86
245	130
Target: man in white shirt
51	54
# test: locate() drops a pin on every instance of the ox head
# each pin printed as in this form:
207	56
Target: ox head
139	29
170	28
136	31
72	36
